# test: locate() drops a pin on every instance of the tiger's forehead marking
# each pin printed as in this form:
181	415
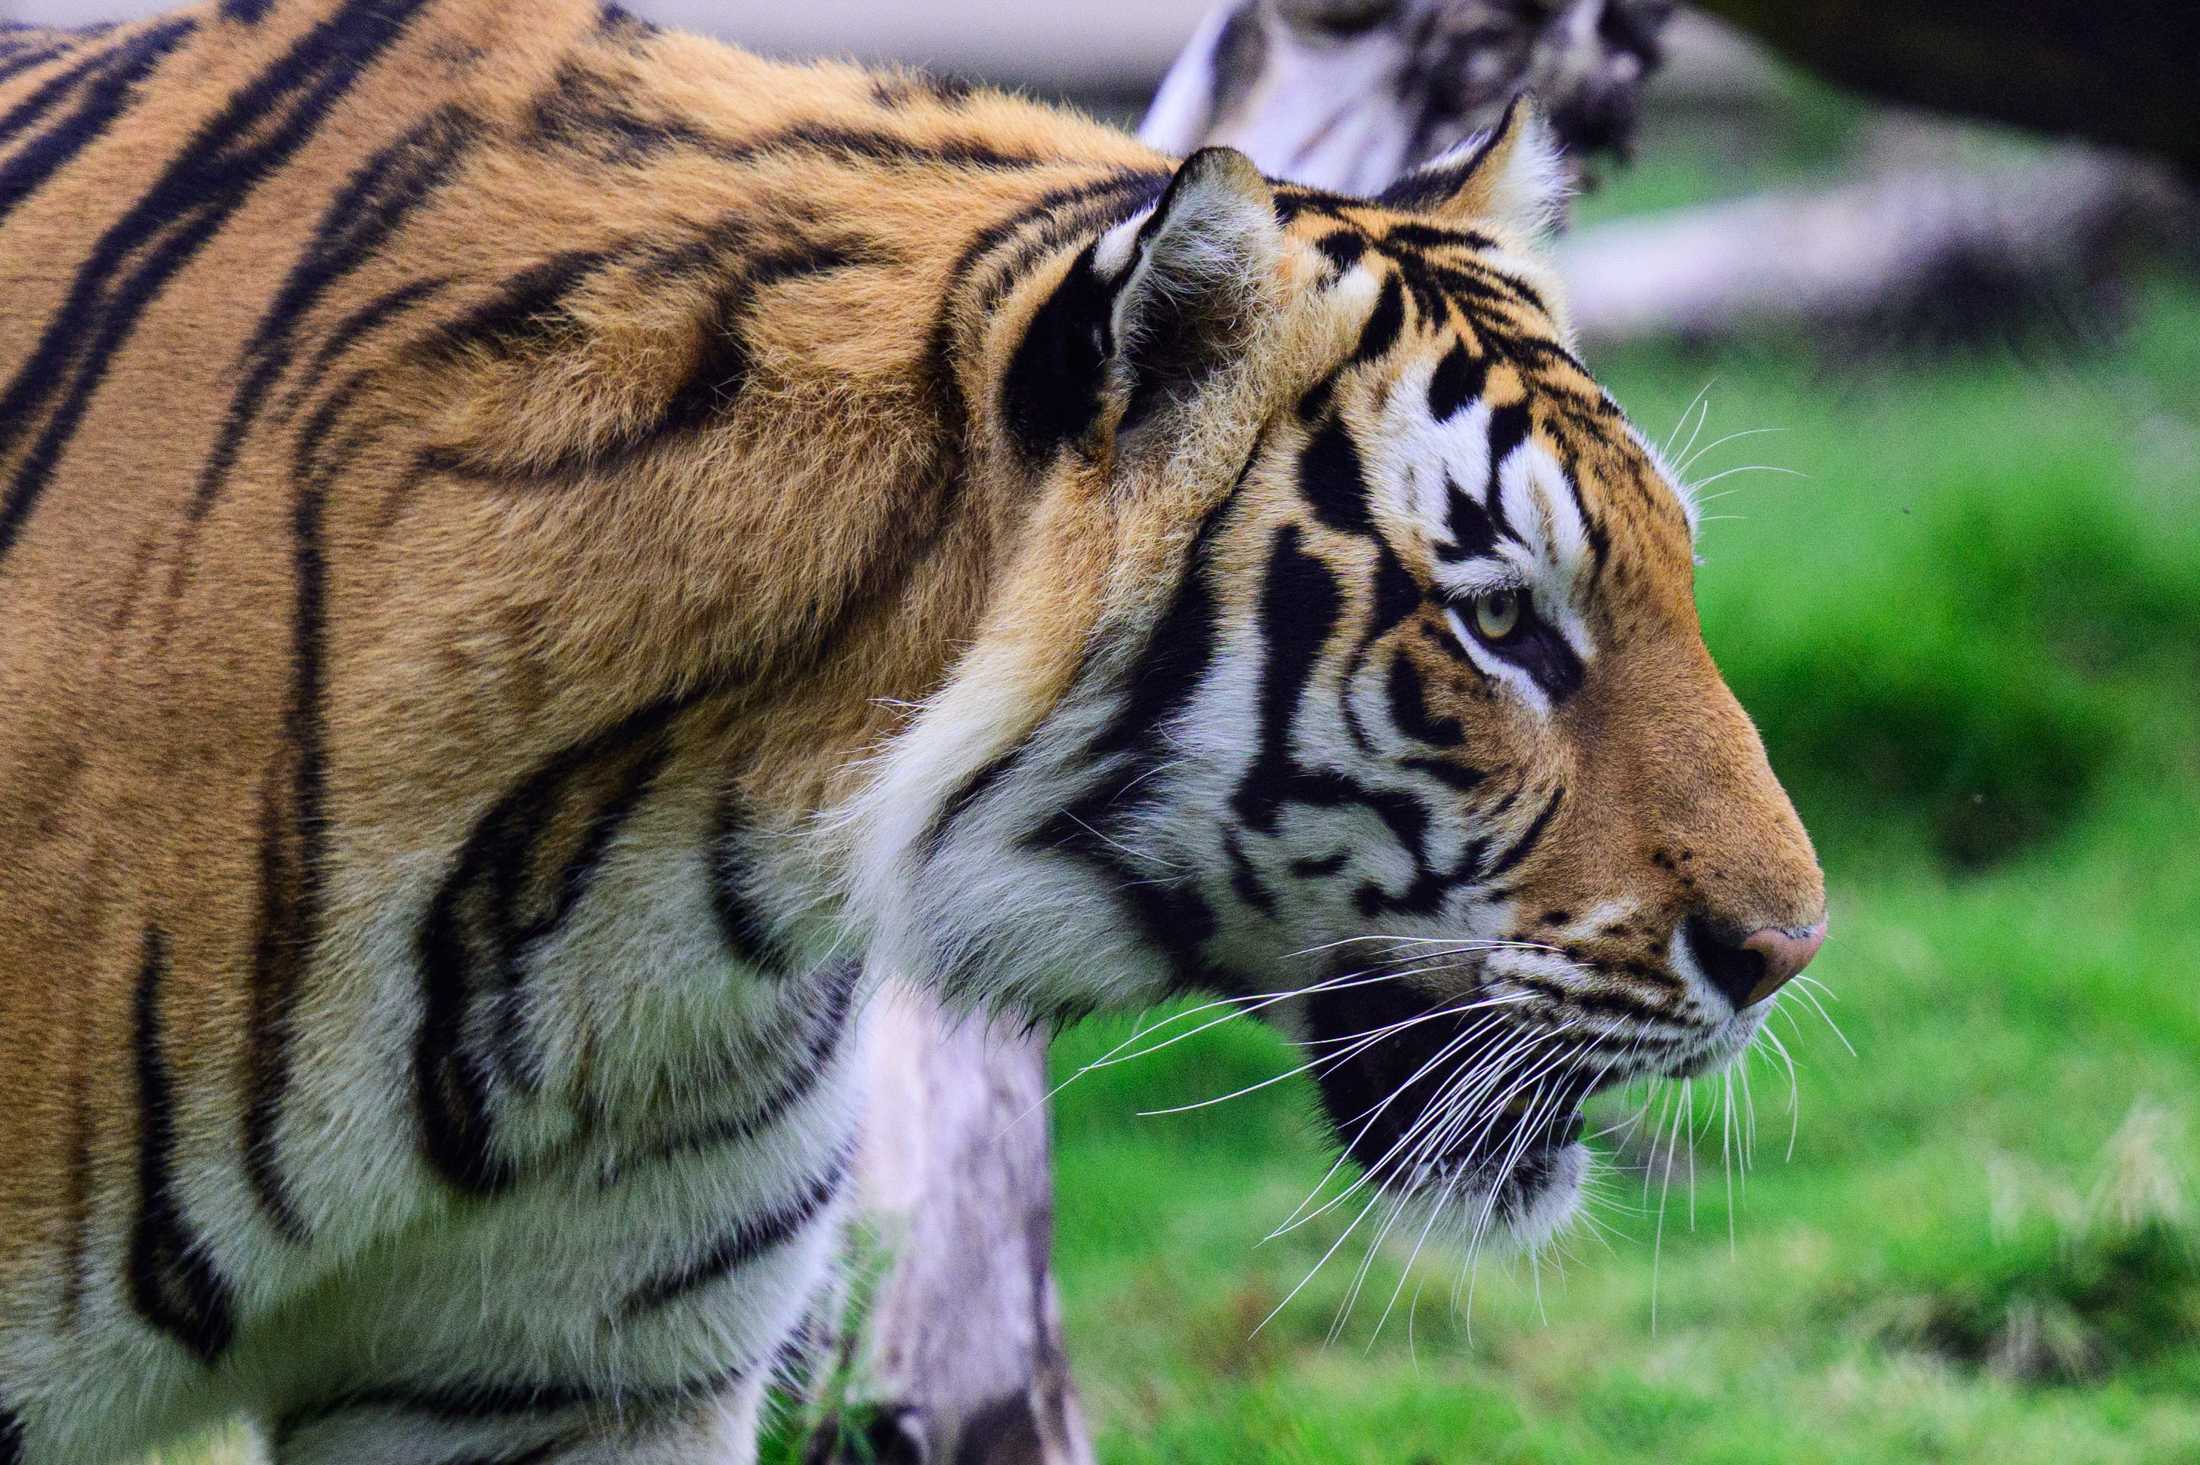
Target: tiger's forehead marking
1481	437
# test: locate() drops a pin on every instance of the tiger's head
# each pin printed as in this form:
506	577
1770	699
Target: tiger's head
1349	652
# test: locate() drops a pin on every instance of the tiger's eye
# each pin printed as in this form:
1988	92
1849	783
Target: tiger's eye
1497	614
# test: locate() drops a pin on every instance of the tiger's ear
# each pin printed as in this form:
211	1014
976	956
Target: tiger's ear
1149	311
1512	176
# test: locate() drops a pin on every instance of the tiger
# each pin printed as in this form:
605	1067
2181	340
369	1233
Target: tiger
1351	93
537	549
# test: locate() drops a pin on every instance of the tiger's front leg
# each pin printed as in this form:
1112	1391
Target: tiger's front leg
718	1430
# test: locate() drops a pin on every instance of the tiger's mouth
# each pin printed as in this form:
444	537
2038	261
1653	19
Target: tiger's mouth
1460	1106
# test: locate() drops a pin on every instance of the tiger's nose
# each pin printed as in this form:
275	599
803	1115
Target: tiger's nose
1760	964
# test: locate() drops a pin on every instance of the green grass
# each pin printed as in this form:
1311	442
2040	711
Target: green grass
1971	635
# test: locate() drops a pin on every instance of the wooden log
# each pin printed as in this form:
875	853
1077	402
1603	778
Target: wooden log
961	1355
1915	257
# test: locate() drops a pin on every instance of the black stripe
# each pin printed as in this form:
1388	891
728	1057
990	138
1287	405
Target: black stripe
1613	1001
1121	187
478	1400
1409	707
245	12
1178	652
110	79
1396	595
1384	323
354	328
1457	380
172	1282
745	1243
1071	212
372	205
1244	879
591	112
1315	399
1600	539
1482	282
1472	528
853	144
497	904
1527	841
1425	894
20	56
1318	867
362	216
1452	775
742	923
77	1196
616	22
1418	237
1509	428
803	1073
1295	199
529	312
1428	295
278	965
965	798
1174	919
1300	605
1331	478
34	45
1180	649
1542	352
251	140
720	372
1050	392
292	823
526	312
1344	249
896	92
11	1438
584	111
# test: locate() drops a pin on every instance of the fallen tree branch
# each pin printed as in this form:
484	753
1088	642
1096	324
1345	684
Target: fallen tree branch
1921	257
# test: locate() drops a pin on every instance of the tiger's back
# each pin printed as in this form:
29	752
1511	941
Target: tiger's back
307	767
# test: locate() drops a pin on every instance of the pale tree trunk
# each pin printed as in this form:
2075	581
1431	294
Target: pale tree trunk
959	1354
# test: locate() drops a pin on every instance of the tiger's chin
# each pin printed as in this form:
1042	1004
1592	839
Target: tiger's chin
1471	1126
1513	1184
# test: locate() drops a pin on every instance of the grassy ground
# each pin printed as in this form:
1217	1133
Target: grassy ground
1971	635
